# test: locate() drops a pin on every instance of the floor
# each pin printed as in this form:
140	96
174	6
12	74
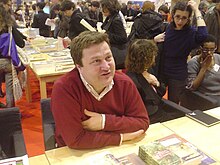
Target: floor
31	118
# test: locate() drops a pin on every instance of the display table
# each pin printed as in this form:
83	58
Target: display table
38	160
205	138
47	62
65	155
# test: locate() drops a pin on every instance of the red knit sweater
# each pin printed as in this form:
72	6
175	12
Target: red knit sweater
123	107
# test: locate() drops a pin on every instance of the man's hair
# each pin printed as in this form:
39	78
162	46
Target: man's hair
164	8
112	5
85	40
140	55
210	38
95	4
41	5
67	5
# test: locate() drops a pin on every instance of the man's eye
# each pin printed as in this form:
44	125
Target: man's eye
109	58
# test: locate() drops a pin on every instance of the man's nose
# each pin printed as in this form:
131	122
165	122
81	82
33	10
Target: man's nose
105	64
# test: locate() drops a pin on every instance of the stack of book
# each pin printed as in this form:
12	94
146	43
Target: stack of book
173	150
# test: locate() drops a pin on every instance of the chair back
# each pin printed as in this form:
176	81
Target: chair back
194	100
11	137
48	124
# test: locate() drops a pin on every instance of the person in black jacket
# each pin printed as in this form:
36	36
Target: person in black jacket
140	57
75	28
5	62
40	19
148	24
113	26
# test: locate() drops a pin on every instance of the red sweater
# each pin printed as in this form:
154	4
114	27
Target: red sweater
123	107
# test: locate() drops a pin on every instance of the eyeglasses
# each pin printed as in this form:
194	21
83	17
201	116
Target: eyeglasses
205	50
178	18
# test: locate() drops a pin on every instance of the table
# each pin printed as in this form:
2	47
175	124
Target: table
65	155
205	138
48	64
38	160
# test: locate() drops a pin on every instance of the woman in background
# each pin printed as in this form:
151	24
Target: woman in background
114	28
141	56
180	39
5	62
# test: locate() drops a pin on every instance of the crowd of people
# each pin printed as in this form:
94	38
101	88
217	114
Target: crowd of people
100	105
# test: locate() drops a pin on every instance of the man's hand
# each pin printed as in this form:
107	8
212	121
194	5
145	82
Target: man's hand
94	123
132	135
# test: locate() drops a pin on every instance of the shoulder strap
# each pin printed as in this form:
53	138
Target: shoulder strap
10	32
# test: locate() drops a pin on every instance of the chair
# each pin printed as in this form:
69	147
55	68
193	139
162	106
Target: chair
195	100
11	137
48	124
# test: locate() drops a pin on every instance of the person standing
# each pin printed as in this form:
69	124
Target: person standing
40	19
180	39
113	26
212	19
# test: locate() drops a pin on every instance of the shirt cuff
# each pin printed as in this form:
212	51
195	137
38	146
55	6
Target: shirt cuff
103	121
121	139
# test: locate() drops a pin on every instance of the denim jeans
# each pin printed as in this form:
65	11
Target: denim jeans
5	70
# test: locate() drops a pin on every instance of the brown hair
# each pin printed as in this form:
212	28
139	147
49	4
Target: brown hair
141	53
148	5
5	19
85	40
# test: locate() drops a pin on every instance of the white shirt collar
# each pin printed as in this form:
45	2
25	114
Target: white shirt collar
92	90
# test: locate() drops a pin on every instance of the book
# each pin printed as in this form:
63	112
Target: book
173	150
22	160
203	118
107	158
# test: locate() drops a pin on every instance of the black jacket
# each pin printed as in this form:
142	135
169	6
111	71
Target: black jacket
151	99
115	30
146	26
75	27
39	22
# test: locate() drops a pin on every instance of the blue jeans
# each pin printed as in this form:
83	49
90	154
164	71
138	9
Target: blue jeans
5	70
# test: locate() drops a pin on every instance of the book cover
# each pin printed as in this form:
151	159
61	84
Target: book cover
173	150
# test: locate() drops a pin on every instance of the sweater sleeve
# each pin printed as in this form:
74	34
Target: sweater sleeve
68	115
135	114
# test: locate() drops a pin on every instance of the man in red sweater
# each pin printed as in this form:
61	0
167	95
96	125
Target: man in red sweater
94	106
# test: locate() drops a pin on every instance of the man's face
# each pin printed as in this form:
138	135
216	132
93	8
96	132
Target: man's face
208	48
68	13
98	66
181	18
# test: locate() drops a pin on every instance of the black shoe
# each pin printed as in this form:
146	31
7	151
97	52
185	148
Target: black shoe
2	94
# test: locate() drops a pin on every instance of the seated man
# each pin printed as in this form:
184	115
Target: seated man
94	106
204	70
140	58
